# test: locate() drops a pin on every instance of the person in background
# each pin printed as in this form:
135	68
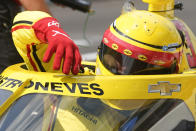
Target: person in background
8	10
35	5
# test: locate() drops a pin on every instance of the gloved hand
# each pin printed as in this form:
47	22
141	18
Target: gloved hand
48	30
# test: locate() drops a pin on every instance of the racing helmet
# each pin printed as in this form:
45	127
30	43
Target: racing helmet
139	43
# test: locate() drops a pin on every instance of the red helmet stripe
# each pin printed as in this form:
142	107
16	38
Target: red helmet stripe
153	57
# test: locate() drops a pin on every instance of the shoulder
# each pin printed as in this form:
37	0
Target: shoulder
31	16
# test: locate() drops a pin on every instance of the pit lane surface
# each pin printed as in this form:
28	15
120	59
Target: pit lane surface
106	11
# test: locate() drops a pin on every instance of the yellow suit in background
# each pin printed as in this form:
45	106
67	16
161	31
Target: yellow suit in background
29	47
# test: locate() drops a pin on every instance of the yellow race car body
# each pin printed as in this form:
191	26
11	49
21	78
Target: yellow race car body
52	101
46	101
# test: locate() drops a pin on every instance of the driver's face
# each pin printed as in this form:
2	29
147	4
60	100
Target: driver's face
112	63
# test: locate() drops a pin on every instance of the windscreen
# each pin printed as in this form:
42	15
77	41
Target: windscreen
4	95
43	112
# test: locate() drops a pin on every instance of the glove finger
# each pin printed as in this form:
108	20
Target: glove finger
77	62
68	60
48	54
58	57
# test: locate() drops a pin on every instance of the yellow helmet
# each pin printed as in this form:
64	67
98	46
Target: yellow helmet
140	42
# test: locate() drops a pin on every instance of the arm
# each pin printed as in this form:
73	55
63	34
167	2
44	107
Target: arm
35	5
39	27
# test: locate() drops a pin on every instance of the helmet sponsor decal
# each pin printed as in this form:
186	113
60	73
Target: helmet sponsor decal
159	62
142	57
127	52
115	46
164	88
105	40
171	47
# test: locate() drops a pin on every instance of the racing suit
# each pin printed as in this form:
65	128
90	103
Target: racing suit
29	47
37	34
8	52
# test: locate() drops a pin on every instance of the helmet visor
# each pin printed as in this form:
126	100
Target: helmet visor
121	64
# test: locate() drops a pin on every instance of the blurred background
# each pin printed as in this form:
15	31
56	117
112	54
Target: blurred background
81	25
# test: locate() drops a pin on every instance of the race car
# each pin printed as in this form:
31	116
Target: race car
90	101
51	101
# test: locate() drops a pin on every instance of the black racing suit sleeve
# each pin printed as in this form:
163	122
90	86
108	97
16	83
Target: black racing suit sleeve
8	52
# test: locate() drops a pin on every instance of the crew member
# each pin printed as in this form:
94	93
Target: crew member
38	36
8	10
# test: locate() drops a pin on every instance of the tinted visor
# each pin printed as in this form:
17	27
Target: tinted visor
121	64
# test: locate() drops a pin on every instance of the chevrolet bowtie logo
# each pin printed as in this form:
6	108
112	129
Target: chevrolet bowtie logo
164	87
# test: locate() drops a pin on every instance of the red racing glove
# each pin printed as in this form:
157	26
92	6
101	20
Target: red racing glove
48	30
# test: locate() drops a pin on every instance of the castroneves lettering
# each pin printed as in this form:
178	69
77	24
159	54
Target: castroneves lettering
83	88
9	82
